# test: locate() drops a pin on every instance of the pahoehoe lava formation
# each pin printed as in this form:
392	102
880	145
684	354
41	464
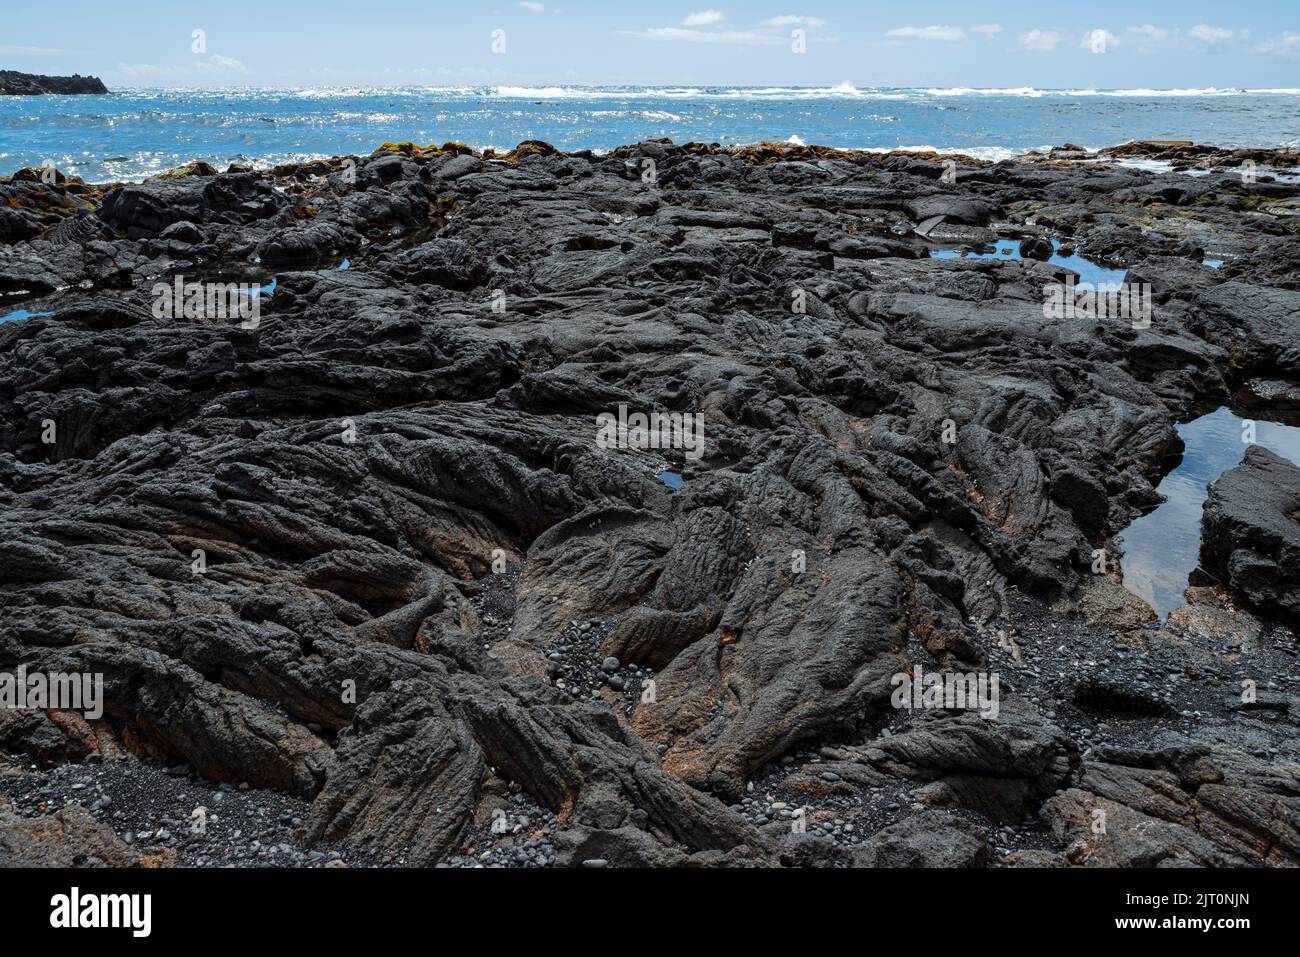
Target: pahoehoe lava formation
394	482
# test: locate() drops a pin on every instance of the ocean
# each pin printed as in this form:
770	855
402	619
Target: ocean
131	134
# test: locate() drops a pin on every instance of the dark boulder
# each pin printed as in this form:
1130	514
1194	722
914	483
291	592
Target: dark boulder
1250	532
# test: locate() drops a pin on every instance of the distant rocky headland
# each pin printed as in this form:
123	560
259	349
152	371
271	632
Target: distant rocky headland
13	83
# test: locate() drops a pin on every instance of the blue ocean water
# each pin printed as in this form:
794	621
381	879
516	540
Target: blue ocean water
131	134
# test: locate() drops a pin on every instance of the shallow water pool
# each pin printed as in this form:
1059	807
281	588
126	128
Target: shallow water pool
1163	547
21	314
673	480
1101	277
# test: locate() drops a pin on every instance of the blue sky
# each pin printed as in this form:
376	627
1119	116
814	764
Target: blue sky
295	43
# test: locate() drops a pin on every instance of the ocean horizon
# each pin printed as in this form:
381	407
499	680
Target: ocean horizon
133	133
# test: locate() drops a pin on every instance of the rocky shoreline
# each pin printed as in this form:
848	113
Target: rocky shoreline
13	83
356	562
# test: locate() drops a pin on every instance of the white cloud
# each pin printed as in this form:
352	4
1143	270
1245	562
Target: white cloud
732	37
215	64
1148	32
1208	34
1148	37
1043	41
789	20
940	33
704	18
221	64
768	33
390	75
1288	44
532	6
988	29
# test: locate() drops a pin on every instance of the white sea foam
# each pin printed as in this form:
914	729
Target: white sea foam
845	89
539	92
369	117
655	115
993	154
596	93
1145	165
1142	92
975	91
1146	93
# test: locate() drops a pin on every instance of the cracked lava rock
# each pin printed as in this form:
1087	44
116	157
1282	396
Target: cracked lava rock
360	566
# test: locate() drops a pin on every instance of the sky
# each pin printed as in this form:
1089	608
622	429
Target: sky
1104	44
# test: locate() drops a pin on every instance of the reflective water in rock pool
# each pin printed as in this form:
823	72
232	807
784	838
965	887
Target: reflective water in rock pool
672	479
1101	277
21	314
1163	547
